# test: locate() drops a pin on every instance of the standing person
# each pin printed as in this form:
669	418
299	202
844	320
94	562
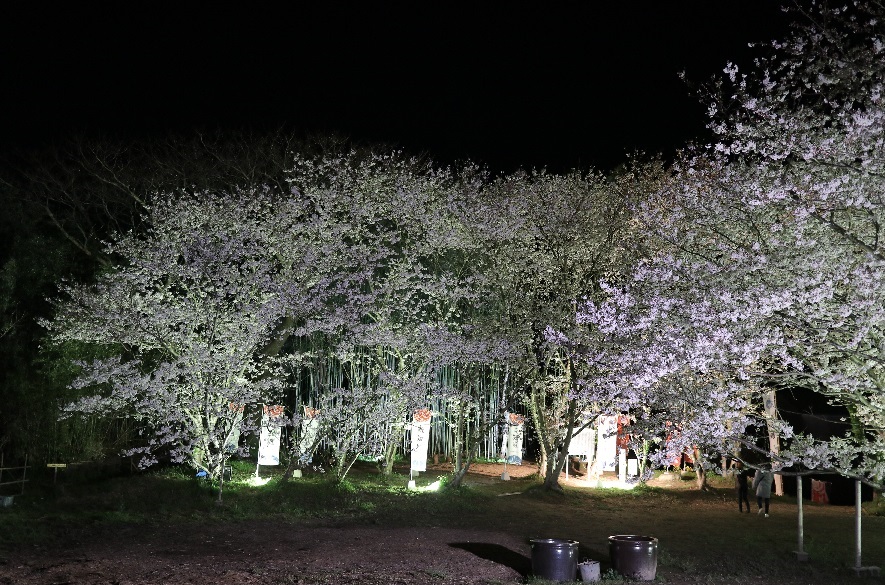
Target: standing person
762	484
740	484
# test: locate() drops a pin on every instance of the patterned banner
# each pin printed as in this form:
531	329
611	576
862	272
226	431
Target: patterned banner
515	432
623	435
420	429
583	444
607	442
269	438
819	491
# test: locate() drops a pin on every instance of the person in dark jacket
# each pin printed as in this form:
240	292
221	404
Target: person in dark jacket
762	485
741	485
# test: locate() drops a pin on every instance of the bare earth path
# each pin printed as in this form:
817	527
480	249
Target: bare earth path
700	536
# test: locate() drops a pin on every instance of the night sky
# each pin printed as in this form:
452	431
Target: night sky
511	86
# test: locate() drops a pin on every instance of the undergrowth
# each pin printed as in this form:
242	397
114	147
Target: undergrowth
174	494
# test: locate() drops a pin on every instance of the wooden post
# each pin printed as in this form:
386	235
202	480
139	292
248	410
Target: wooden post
55	467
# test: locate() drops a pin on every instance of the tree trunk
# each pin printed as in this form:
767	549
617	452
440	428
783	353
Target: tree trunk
643	458
542	462
290	469
344	464
461	467
556	463
460	470
535	411
396	435
774	444
465	452
700	470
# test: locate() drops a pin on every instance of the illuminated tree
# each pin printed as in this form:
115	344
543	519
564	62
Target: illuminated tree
462	361
772	269
192	307
550	240
359	262
407	217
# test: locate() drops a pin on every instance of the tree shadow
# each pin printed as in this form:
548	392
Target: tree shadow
497	554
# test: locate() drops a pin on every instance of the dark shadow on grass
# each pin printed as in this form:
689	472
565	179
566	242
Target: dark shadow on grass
497	554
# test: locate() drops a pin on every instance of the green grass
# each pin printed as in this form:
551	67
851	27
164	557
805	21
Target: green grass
701	534
174	494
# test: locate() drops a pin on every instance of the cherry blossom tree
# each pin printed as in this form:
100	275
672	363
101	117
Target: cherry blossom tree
363	264
461	360
193	306
769	269
424	276
551	239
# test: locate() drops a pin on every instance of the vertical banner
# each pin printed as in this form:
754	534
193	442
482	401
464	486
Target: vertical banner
623	435
607	446
420	431
310	427
819	491
583	444
515	432
623	444
632	467
269	437
232	441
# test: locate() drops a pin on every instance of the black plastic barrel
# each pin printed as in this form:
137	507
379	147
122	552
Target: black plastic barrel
555	559
635	557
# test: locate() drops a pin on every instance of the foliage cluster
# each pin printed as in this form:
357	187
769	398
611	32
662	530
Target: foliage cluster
683	294
769	267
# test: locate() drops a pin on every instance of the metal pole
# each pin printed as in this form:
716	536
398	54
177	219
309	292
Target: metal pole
221	481
799	502
857	563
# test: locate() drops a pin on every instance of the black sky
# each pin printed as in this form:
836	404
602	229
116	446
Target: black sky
508	84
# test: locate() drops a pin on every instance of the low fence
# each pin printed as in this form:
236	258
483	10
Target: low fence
19	475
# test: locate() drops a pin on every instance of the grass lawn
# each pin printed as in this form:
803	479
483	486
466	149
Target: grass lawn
138	529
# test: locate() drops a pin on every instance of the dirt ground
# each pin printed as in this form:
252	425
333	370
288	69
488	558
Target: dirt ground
696	531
